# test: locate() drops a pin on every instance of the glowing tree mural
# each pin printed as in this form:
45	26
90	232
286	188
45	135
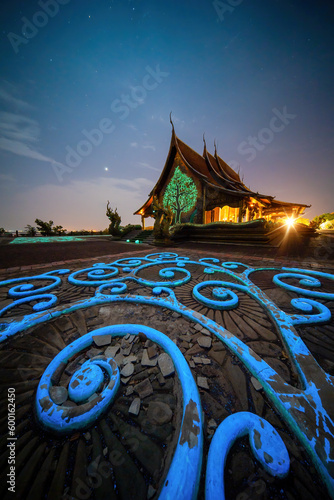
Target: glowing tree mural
180	194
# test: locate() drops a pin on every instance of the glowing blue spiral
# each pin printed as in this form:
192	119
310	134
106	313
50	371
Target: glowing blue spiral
128	262
50	301
96	274
23	289
115	288
64	418
183	476
266	444
162	256
307	306
227	298
234	265
304	280
168	273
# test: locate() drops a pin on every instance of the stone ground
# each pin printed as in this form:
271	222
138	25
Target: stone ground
137	436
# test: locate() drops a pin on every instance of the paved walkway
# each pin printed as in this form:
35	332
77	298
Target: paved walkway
137	435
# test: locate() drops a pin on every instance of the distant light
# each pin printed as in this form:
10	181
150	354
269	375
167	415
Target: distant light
106	169
290	222
137	241
128	241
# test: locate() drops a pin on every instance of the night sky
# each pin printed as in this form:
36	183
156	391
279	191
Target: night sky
86	88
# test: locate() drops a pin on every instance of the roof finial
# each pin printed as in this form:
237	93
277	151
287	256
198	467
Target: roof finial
204	150
214	142
170	119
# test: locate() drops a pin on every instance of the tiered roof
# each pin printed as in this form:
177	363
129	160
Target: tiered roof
213	171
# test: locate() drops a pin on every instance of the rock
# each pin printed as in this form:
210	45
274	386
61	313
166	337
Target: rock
218	356
204	342
151	492
197	360
161	432
204	331
128	370
212	424
161	379
129	390
130	359
196	349
111	351
152	352
198	327
93	352
154	370
146	361
159	413
87	436
191	364
58	394
125	380
70	369
148	343
206	361
69	403
101	340
92	397
209	371
176	315
202	382
105	451
126	350
166	364
119	359
256	384
144	388
218	346
135	407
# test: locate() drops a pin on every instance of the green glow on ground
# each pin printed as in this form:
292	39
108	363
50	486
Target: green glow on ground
47	239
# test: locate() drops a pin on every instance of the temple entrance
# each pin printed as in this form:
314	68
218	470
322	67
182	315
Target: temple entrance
222	214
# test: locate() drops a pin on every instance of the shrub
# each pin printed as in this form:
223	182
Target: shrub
31	230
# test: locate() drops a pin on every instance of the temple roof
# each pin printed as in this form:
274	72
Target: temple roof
211	170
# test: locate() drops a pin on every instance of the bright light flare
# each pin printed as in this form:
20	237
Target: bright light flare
290	222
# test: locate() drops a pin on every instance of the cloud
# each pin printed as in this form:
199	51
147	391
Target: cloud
134	144
147	165
21	149
6	95
19	134
18	127
7	178
83	203
148	146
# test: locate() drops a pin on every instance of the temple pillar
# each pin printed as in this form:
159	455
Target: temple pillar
143	222
240	214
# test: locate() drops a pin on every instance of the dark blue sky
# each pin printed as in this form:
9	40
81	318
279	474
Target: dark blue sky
255	76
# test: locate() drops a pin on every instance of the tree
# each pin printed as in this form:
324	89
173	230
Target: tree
2	231
31	230
59	230
180	194
45	228
115	221
163	219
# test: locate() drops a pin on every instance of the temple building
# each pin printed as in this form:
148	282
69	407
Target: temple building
203	188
